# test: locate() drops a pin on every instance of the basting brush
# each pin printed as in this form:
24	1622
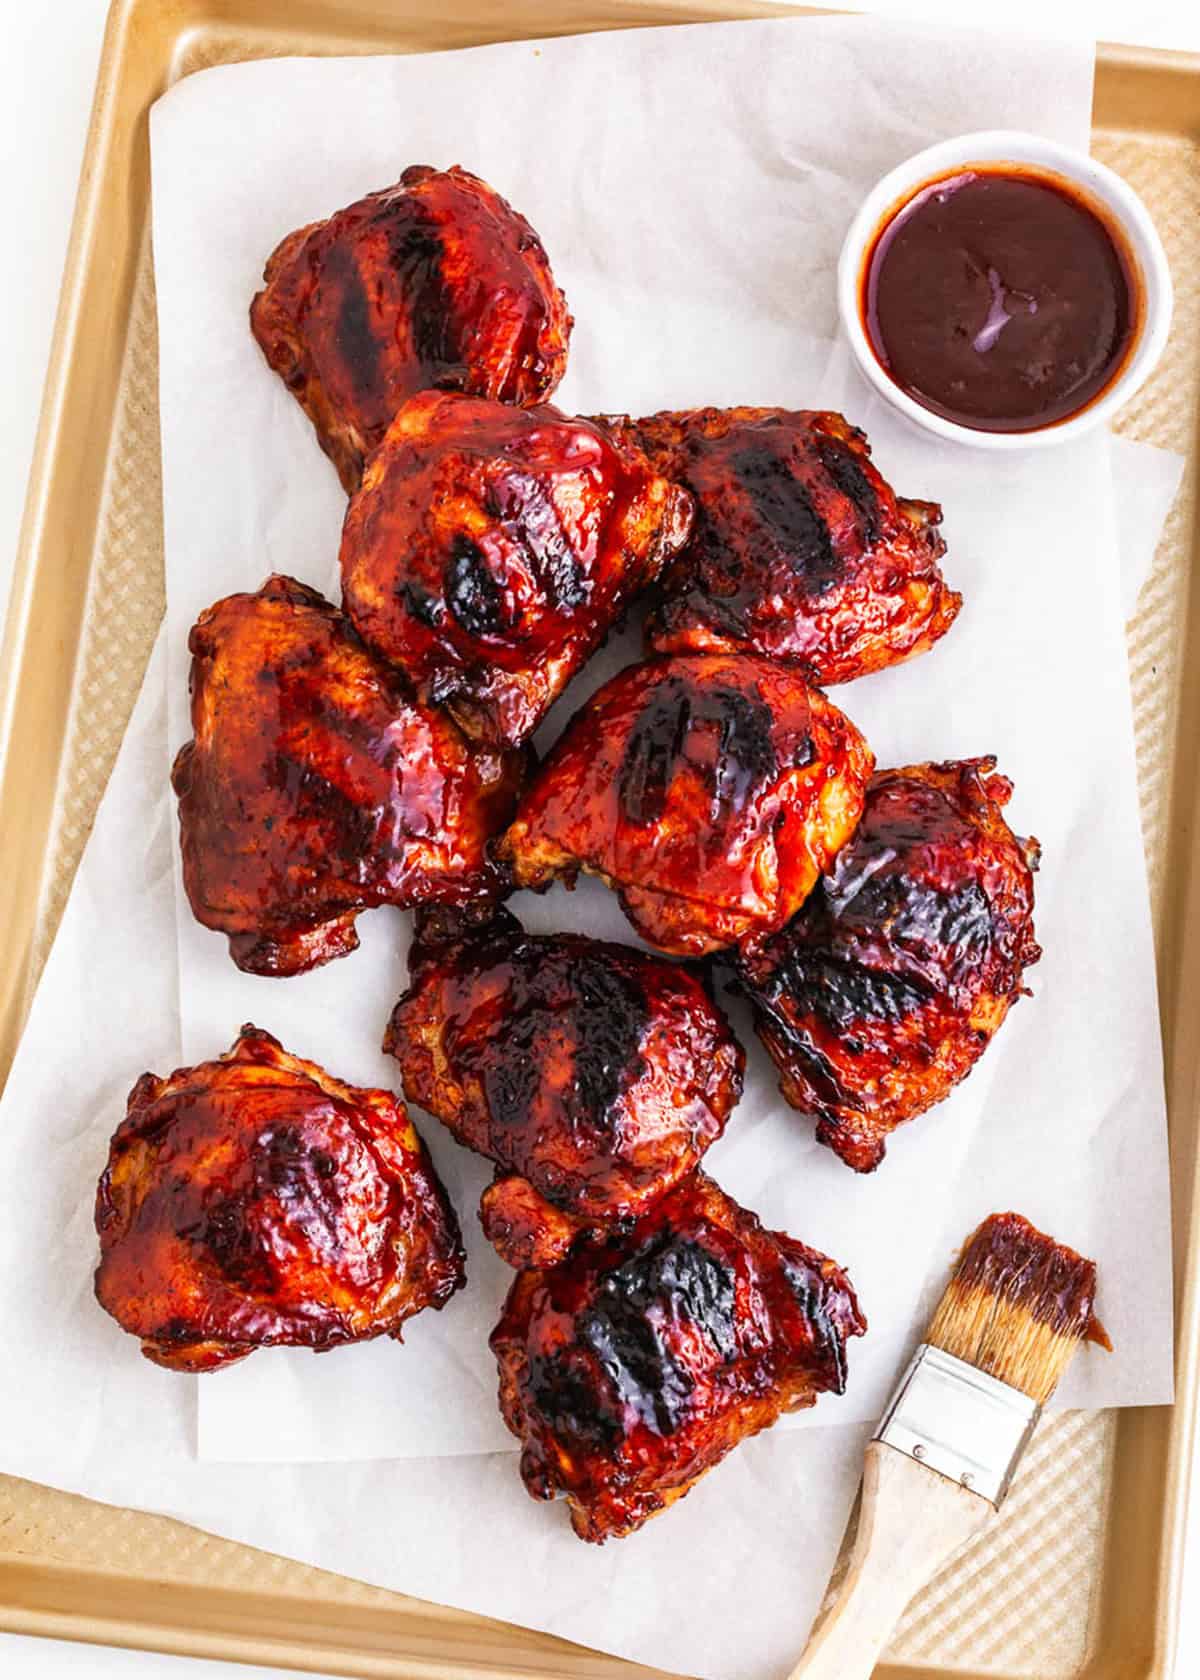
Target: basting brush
945	1453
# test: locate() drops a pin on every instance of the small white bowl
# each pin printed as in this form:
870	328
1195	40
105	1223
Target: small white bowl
1107	190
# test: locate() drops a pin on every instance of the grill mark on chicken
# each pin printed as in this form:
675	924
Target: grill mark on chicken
313	798
939	939
611	1017
523	501
821	1074
289	1168
664	737
878	909
357	345
608	1018
672	1287
224	1234
876	941
827	1313
847	473
426	608
415	253
303	1178
472	594
840	992
563	1389
786	516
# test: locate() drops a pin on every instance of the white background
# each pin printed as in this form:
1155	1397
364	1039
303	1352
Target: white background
47	67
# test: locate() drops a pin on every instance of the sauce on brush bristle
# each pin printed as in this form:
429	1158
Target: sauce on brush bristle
1018	1306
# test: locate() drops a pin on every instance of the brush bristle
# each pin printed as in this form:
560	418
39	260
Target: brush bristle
1018	1306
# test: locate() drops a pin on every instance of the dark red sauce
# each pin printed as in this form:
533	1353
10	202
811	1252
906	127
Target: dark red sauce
1011	1259
1000	299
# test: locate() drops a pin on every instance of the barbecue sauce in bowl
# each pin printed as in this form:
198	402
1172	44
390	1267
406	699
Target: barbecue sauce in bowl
1000	298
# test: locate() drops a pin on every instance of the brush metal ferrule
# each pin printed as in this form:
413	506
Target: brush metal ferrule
959	1421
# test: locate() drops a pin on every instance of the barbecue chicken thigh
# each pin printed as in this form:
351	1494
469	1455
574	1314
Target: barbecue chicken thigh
632	1369
491	549
709	792
595	1076
315	787
256	1202
435	281
889	985
800	550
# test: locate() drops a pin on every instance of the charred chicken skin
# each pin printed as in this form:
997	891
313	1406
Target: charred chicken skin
889	985
491	549
799	550
595	1076
632	1369
710	793
257	1202
314	787
435	281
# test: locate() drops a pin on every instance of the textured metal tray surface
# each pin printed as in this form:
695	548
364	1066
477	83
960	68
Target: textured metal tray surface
1100	1498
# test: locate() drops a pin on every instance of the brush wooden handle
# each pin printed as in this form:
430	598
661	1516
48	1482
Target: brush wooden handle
911	1521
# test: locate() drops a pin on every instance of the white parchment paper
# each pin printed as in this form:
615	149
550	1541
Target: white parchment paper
692	201
1145	483
693	205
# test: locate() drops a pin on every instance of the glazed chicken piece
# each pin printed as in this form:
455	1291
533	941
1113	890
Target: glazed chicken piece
891	982
257	1202
594	1075
435	281
632	1369
800	550
491	549
709	792
315	787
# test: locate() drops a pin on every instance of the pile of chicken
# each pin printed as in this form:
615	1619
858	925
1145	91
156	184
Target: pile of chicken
376	753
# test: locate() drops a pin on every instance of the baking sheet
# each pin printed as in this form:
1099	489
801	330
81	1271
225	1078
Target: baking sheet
342	1485
1084	1564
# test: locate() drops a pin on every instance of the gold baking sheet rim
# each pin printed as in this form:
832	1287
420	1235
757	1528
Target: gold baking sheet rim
1082	1575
